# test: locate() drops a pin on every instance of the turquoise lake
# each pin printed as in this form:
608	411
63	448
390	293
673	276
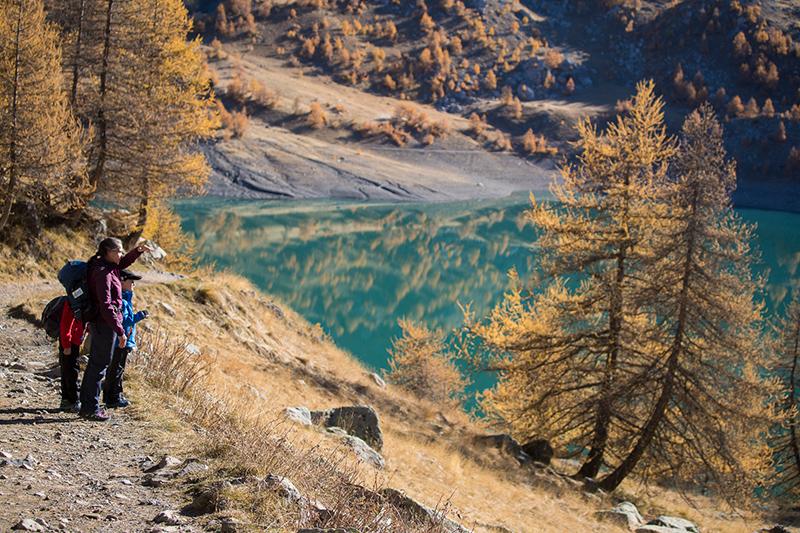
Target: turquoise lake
356	268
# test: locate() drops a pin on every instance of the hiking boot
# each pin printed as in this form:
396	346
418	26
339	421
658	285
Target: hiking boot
98	416
70	407
120	403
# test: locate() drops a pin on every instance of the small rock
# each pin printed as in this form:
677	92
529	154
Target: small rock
300	414
168	308
378	380
169	518
19	366
190	466
166	462
624	514
672	522
27	524
364	451
192	349
284	487
229	525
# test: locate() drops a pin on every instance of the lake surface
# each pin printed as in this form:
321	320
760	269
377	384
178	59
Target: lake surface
356	268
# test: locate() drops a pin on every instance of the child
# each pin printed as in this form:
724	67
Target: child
112	389
69	347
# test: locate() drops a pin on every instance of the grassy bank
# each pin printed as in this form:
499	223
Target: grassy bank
222	400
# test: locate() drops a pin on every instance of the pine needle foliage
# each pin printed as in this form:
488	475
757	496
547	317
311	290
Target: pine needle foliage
40	141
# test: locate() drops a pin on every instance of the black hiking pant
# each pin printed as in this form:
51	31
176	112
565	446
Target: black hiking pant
112	389
104	340
70	368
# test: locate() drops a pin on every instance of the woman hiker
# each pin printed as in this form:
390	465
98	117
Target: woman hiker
105	289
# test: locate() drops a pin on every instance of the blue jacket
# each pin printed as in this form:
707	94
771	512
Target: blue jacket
129	318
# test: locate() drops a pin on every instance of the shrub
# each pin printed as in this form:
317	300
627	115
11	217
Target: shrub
735	106
316	118
163	227
553	58
549	80
533	144
768	110
501	142
780	135
389	82
490	81
477	126
506	96
421	363
751	109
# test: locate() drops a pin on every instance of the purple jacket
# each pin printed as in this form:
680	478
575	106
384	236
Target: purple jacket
105	288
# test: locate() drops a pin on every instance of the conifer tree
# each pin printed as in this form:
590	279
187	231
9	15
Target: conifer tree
149	103
167	111
705	420
40	147
575	349
786	442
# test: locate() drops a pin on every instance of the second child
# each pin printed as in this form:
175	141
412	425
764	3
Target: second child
113	395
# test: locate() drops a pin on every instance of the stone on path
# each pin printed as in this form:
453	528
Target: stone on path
29	524
169	518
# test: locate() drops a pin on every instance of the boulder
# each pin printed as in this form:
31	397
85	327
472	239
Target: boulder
539	450
506	444
359	420
363	451
300	414
624	514
777	528
421	513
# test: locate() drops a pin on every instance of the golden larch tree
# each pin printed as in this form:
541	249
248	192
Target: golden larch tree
708	410
40	141
570	358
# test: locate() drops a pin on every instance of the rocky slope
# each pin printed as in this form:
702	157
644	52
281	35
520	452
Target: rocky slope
559	61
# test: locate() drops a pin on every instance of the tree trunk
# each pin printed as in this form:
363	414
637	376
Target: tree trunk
102	126
612	480
12	179
793	400
144	204
73	95
591	467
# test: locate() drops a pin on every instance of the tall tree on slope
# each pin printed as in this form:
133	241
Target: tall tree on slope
168	109
576	351
710	410
40	145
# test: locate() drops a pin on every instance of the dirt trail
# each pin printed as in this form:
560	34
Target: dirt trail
58	471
